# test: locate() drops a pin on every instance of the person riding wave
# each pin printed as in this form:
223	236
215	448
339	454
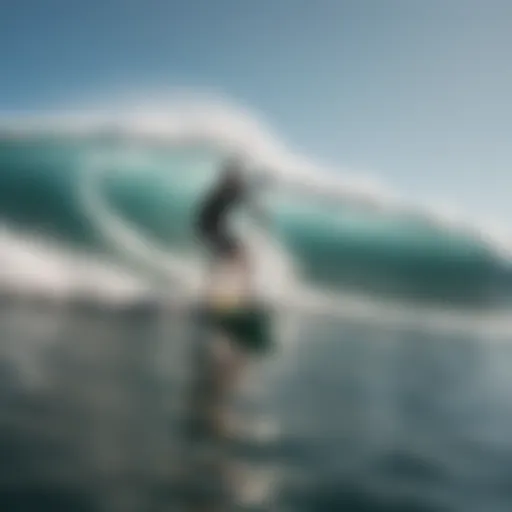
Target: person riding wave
233	189
239	328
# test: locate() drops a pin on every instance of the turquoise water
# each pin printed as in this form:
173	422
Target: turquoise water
157	189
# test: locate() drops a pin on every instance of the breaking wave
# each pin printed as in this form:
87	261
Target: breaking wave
102	200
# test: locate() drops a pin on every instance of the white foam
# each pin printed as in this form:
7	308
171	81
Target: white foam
492	325
33	266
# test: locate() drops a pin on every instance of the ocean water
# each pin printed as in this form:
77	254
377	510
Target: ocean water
389	391
368	419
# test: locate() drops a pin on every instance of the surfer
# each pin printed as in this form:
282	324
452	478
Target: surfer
231	190
237	327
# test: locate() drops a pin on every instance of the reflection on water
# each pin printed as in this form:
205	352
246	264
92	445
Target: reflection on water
92	408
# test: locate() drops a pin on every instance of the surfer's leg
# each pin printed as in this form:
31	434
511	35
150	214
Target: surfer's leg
229	363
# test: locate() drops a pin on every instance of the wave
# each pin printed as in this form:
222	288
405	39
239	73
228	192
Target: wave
133	176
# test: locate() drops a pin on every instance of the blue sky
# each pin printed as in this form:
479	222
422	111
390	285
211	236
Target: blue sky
416	92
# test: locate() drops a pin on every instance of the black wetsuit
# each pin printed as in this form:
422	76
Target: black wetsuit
213	214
